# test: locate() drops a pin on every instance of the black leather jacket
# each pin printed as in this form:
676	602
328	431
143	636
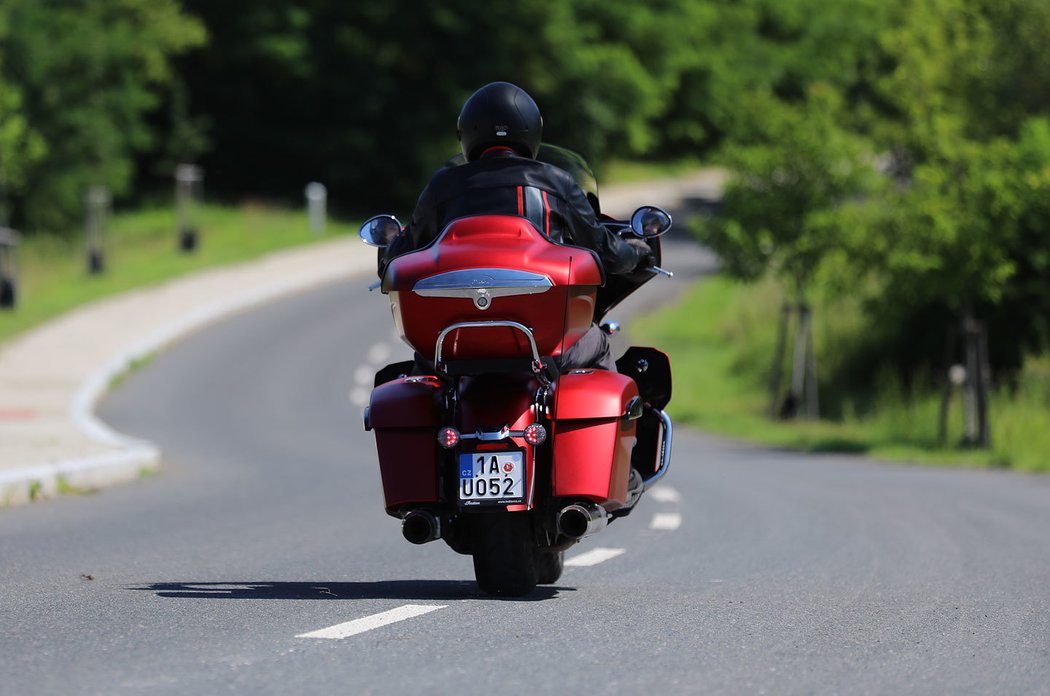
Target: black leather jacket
501	183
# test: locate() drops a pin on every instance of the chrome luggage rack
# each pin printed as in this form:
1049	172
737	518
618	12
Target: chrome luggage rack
537	363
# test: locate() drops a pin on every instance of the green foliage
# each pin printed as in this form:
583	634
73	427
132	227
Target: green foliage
938	96
20	146
364	96
895	152
719	338
89	74
774	211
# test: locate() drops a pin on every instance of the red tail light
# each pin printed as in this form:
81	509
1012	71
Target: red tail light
535	434
448	437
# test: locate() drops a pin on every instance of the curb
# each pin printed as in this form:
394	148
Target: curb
132	457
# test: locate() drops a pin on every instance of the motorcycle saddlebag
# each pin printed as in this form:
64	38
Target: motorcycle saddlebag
592	437
405	415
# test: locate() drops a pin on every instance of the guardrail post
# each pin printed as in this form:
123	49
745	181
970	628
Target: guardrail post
316	204
97	204
8	282
189	189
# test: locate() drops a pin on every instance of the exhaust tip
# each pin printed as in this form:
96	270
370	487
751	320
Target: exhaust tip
420	527
581	519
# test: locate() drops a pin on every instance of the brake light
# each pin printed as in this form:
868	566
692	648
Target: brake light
448	437
535	434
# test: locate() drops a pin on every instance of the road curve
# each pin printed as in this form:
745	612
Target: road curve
260	560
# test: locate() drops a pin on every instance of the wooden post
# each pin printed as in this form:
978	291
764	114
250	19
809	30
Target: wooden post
812	397
778	361
8	284
950	382
97	204
189	179
983	379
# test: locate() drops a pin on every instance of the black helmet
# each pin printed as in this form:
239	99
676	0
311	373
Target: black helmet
499	114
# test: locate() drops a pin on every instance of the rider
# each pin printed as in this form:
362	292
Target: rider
499	130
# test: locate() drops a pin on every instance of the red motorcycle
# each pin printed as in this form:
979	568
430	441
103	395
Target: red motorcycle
493	449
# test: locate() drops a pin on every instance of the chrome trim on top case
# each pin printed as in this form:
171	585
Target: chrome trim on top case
492	282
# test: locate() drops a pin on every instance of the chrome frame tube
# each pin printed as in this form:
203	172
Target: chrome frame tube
666	433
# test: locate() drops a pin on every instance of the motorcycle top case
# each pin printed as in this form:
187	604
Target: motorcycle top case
493	268
592	437
405	413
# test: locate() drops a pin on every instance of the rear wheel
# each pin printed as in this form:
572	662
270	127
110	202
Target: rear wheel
549	565
504	554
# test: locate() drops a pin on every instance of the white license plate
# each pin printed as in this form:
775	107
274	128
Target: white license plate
497	478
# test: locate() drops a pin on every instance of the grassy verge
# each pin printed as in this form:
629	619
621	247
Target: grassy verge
720	338
630	172
140	251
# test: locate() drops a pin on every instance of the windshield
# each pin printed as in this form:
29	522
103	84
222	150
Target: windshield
562	158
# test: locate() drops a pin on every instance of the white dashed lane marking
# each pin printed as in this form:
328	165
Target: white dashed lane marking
378	353
364	375
368	623
593	557
665	494
360	396
666	521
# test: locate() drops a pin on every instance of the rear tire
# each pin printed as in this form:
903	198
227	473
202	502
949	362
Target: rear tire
549	565
504	554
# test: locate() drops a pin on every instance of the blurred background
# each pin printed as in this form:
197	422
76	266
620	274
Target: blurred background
884	233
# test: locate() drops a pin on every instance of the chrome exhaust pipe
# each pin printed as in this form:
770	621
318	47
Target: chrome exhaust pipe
581	519
419	527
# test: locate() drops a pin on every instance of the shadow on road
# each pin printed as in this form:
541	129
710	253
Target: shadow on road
389	589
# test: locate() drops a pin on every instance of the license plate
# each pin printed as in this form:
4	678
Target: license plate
495	478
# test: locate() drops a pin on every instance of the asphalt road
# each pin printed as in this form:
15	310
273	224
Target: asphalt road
751	571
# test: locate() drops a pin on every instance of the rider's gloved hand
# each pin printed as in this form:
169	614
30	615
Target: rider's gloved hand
645	253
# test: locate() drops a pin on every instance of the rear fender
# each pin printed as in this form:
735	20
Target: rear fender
490	403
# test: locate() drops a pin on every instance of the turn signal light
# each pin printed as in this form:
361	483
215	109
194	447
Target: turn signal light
535	434
448	437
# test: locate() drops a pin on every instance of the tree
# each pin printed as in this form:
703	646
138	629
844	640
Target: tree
774	217
20	146
89	74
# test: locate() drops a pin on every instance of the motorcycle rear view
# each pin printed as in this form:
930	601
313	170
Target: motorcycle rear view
484	441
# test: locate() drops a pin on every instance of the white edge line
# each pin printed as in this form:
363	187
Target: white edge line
368	623
134	454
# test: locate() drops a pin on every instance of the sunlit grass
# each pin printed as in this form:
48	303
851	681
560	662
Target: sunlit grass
720	338
141	249
627	172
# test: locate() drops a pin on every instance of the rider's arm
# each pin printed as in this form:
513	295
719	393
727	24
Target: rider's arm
617	255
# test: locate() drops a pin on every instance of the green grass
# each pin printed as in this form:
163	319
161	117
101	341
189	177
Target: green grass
141	250
720	338
628	172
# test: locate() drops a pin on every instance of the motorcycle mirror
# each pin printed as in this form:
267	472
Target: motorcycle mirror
650	221
379	230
